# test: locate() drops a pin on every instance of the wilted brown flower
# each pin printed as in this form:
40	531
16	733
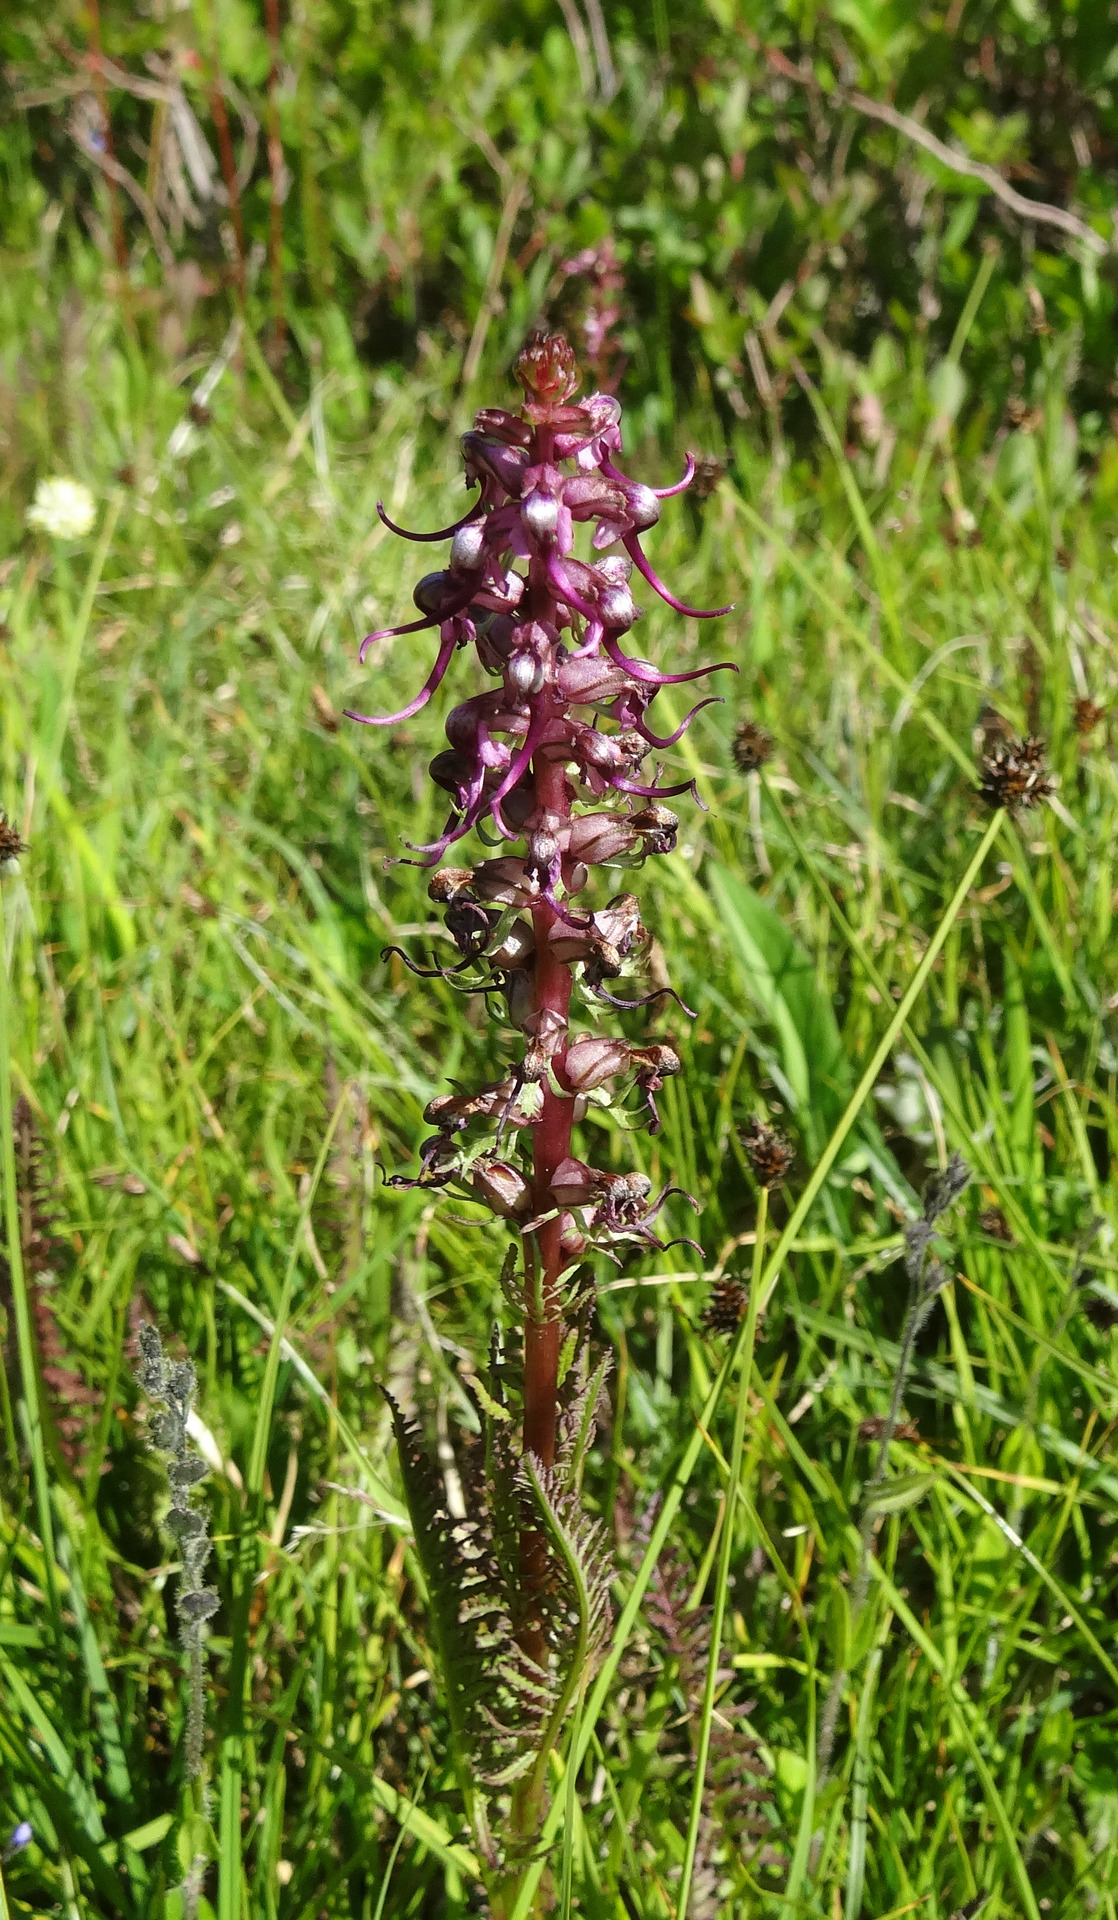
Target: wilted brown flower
993	1223
752	747
1014	774
726	1307
768	1152
708	472
875	1426
1087	714
1101	1312
11	846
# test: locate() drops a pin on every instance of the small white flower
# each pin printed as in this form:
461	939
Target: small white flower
63	508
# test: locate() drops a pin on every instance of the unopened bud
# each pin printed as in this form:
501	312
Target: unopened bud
617	608
547	369
524	675
502	1188
574	1184
518	998
599	838
435	592
548	1030
572	1241
517	947
590	1063
467	552
644	508
590	682
489	459
540	513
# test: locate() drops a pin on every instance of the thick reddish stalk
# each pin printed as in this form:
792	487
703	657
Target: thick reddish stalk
551	1145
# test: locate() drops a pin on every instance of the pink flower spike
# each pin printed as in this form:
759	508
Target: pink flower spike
442	662
632	547
444	533
647	676
669	739
662	493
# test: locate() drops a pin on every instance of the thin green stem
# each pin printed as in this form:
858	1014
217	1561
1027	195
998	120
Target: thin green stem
78	626
686	1468
25	1342
726	1549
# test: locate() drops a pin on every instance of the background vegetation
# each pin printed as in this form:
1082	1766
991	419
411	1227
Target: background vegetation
903	391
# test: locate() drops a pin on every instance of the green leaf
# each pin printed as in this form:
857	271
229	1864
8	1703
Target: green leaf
896	1495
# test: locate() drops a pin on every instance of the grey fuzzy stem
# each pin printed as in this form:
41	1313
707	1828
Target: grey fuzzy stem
196	1702
171	1385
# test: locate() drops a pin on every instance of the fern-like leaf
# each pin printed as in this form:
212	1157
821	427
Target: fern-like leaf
496	1698
576	1609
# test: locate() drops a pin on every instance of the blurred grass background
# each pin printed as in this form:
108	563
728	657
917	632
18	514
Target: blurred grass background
902	391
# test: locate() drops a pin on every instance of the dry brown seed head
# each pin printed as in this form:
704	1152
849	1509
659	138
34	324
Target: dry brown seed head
1014	775
11	846
752	747
993	1223
769	1154
726	1307
1087	714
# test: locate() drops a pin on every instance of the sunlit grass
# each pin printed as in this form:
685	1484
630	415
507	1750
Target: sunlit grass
198	997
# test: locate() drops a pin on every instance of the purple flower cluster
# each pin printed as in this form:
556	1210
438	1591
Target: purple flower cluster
551	759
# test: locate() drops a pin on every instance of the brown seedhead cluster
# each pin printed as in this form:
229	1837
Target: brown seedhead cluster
752	747
11	846
1014	774
725	1309
769	1154
1087	714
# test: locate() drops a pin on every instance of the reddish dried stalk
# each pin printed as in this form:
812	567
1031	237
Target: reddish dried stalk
228	171
275	170
116	218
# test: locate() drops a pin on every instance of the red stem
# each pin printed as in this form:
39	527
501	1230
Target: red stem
275	170
116	218
551	1144
229	171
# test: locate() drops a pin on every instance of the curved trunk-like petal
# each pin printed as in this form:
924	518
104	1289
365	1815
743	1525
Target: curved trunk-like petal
433	680
444	533
669	739
648	676
659	793
632	547
391	633
662	493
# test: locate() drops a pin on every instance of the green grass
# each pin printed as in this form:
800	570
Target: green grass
221	1064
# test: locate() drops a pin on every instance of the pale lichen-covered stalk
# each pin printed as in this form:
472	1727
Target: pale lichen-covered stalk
550	760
